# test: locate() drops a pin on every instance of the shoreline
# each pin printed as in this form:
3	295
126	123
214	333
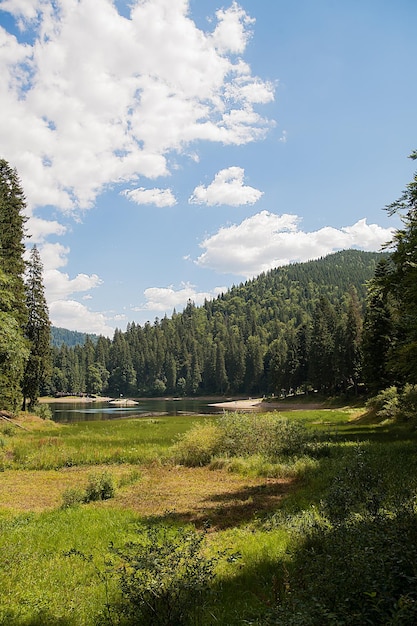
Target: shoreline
229	404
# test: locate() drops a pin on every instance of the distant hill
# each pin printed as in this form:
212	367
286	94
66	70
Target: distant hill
71	338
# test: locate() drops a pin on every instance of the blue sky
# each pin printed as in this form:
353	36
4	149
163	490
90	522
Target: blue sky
169	149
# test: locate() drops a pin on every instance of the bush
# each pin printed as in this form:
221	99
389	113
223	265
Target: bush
358	489
164	576
242	435
270	435
356	573
198	445
385	403
408	403
43	411
100	487
72	497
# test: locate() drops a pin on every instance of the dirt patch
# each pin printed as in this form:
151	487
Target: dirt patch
196	495
200	495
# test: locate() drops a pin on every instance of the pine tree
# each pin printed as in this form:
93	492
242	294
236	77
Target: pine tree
378	331
13	313
401	285
38	331
12	221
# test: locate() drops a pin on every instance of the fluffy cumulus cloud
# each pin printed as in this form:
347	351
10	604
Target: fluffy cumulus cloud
158	197
64	311
226	188
267	240
91	97
166	299
73	315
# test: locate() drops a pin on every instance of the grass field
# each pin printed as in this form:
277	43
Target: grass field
258	506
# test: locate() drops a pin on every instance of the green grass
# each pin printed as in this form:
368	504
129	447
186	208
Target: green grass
363	463
92	443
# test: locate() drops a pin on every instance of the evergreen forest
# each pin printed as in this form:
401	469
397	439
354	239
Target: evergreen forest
294	328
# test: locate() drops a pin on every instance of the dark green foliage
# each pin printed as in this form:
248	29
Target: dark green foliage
37	332
12	221
293	328
13	312
14	352
165	578
357	564
392	309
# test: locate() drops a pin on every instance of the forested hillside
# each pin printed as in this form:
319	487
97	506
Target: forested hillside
292	327
70	338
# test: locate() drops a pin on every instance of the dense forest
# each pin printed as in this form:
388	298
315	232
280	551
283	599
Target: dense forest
295	327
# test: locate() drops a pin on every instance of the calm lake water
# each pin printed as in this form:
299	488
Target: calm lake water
66	412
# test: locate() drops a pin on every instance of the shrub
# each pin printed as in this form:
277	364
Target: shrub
241	435
100	487
385	403
72	496
198	445
358	489
356	573
43	411
270	435
164	576
408	402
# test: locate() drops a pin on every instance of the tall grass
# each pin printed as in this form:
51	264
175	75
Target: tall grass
91	443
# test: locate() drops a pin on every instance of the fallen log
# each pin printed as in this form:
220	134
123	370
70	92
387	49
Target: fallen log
7	417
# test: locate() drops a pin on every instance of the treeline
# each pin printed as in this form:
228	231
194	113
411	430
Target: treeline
295	327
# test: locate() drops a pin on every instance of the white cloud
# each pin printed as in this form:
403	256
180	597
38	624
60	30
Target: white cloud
267	240
59	285
73	315
165	299
39	229
226	188
91	98
158	197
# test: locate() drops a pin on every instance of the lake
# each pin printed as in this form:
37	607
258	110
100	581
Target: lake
66	412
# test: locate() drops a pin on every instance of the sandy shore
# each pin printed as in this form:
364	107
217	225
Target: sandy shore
255	404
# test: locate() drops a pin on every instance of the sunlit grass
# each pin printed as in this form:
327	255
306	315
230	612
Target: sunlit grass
251	504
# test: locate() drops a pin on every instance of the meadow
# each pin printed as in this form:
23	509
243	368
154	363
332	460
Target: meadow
298	517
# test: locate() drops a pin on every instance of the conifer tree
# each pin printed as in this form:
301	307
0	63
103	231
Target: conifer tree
38	331
12	221
401	285
13	313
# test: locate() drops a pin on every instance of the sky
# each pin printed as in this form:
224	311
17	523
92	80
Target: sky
169	149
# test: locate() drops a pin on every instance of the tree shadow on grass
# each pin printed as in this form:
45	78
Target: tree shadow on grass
232	509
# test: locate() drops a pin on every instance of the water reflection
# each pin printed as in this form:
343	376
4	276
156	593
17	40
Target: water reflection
66	412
